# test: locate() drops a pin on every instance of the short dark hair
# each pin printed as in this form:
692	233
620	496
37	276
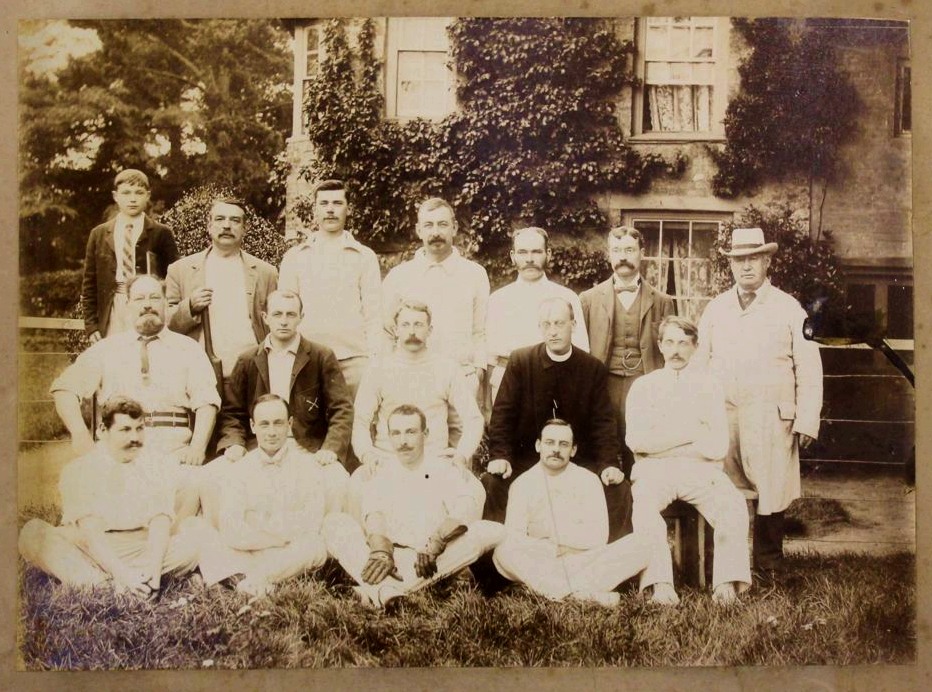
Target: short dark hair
536	229
408	410
231	200
119	404
329	184
131	176
556	421
262	399
687	325
133	279
624	231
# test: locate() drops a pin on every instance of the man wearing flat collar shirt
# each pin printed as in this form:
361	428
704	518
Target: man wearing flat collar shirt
622	314
456	290
512	320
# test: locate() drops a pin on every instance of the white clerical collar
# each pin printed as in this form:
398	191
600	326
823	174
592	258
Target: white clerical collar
559	358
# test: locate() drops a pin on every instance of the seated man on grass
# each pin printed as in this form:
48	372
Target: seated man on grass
271	506
556	529
678	431
420	519
118	505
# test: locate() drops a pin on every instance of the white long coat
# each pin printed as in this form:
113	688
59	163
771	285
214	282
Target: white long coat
772	377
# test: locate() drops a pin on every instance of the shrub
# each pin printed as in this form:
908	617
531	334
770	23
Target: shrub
50	294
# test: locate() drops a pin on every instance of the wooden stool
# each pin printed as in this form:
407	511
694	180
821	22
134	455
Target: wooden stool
692	540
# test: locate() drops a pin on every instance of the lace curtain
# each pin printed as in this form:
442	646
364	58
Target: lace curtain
686	108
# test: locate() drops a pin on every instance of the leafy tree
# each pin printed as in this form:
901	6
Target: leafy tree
795	109
187	101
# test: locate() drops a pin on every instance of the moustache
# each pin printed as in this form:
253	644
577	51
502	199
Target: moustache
405	448
133	445
624	263
413	340
436	239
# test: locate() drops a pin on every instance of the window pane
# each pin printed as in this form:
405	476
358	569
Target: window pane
650	236
657	73
702	239
702	43
676	239
900	312
423	84
700	277
679	43
650	272
656	47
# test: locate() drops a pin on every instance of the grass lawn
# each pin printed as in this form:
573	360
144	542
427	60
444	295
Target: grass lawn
842	609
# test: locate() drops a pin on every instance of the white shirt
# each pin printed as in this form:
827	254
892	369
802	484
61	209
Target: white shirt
281	363
434	384
457	291
677	414
414	502
230	325
120	226
513	316
568	509
125	496
180	375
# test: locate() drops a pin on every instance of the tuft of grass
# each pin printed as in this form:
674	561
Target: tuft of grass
841	609
815	516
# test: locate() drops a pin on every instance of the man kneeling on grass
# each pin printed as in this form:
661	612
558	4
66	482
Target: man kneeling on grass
420	515
117	510
556	528
271	507
678	431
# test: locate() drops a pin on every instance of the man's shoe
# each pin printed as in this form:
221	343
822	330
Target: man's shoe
725	594
664	594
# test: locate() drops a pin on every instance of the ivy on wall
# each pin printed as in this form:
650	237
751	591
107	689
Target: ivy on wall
796	107
534	138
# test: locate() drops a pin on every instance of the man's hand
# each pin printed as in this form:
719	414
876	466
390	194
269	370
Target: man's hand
425	566
612	476
200	299
234	452
380	564
804	440
499	467
95	337
192	456
131	581
325	457
82	442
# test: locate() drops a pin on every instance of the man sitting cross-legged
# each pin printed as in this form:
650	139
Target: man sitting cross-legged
678	431
117	511
556	528
420	519
271	506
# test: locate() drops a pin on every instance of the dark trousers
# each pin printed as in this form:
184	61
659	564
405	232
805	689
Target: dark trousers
618	388
768	541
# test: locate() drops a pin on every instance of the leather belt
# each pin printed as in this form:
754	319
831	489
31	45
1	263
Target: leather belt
167	419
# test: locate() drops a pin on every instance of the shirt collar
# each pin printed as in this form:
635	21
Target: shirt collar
760	292
122	221
616	282
553	357
275	459
291	347
347	241
447	264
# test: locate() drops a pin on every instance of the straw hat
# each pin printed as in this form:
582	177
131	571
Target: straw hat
748	241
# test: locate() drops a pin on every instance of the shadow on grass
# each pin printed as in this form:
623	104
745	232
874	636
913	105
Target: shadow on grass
843	609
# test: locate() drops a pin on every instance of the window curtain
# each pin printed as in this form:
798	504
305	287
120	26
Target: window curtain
675	108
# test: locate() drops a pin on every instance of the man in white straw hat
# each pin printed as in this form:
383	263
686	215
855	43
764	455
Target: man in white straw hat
751	337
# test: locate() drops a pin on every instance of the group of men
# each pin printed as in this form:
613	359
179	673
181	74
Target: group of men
341	414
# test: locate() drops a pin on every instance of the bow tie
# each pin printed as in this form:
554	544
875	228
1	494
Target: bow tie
626	289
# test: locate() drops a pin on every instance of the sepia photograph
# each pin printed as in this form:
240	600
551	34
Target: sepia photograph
465	342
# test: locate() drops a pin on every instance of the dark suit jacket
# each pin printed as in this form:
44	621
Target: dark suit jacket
598	306
187	275
525	402
100	267
319	400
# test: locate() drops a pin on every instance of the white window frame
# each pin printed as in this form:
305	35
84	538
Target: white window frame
634	218
301	78
721	29
396	43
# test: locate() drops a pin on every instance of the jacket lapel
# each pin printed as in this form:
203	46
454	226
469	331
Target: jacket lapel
252	276
647	299
108	237
197	270
262	365
300	360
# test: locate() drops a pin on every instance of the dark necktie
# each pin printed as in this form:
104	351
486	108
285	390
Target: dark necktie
144	353
746	298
